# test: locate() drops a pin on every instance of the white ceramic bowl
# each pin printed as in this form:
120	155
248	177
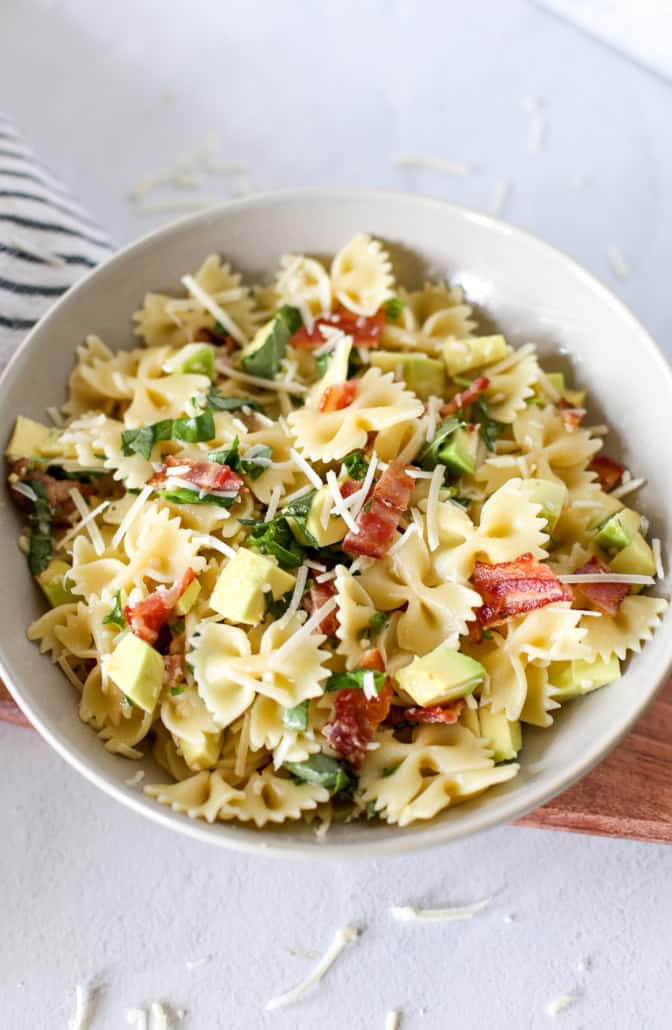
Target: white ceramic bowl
531	291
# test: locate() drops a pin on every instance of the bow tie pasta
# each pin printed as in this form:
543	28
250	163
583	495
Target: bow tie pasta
320	548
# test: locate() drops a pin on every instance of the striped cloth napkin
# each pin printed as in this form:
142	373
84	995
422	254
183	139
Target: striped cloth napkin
47	242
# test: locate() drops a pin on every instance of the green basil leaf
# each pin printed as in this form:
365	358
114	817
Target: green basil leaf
39	553
488	427
296	718
227	455
354	680
256	460
138	441
275	538
196	429
393	308
265	361
184	496
300	507
325	771
116	617
356	464
216	402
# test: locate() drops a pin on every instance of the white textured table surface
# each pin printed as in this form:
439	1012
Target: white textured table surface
307	94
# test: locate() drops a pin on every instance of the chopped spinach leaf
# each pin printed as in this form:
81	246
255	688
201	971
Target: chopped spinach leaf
183	496
356	464
39	553
275	538
216	402
325	771
393	308
195	429
390	769
296	718
378	621
371	811
265	361
176	691
488	427
300	507
322	362
253	464
116	617
354	680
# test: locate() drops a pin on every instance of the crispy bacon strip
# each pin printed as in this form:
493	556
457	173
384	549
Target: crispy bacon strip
379	518
356	717
571	417
606	597
318	595
608	471
338	396
147	617
446	714
58	494
365	331
512	587
202	475
466	397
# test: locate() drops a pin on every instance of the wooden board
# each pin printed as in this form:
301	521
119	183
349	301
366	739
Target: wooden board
628	795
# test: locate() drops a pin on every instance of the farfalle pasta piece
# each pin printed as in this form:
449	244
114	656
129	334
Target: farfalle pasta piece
628	630
361	275
354	613
434	609
185	715
379	402
510	525
119	724
509	389
539	697
443	765
304	283
269	729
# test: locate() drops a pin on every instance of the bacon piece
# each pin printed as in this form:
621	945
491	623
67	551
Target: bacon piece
202	475
175	669
606	597
356	717
608	471
365	330
338	396
57	491
512	587
571	417
318	595
467	397
147	617
377	525
349	487
446	714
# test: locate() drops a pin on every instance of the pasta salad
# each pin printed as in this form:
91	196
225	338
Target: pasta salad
323	548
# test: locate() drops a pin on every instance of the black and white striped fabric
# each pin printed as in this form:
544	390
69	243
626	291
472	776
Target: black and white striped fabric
46	240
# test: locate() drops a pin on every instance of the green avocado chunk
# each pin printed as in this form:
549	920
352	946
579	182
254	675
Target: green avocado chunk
27	439
239	593
203	754
442	675
636	558
573	679
193	358
458	454
55	584
188	599
551	496
617	531
137	669
503	735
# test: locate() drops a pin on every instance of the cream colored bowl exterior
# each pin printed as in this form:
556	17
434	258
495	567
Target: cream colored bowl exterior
531	290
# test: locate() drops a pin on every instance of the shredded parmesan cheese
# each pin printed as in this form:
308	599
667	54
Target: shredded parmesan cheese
433	405
205	540
25	490
311	624
363	492
309	472
297	594
340	941
437	164
88	521
658	557
265	384
215	309
82	1016
243	744
393	1020
399	543
554	1008
273	502
197	962
137	1018
627	487
432	512
130	516
340	507
55	416
134	780
369	685
409	913
607	577
159	1017
85	522
326	576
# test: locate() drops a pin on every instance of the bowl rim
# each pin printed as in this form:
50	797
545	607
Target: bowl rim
435	833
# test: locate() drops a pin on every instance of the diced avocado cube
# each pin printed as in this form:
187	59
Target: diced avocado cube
636	558
574	397
239	593
617	531
188	599
204	754
27	439
551	496
339	364
504	736
137	669
335	529
469	718
573	679
442	675
461	355
194	358
459	452
55	584
424	375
